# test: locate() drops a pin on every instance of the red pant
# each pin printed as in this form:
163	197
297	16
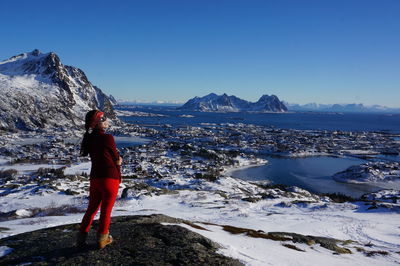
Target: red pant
103	192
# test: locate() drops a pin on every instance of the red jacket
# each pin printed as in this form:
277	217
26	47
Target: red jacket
104	156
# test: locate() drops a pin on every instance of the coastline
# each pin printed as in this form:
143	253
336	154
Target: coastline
229	170
227	201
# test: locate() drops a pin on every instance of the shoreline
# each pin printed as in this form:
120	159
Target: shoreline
228	171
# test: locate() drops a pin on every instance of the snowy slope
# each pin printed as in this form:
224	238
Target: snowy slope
370	172
215	205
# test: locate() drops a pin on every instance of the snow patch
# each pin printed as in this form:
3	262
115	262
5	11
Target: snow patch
23	213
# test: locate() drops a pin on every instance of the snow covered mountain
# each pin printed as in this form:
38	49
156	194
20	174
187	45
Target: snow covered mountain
225	103
349	108
38	91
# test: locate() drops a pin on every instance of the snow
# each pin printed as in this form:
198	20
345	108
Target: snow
24	201
383	195
227	201
23	213
28	87
28	141
14	65
221	203
4	161
28	168
359	152
243	163
371	172
4	250
331	222
78	169
29	84
258	251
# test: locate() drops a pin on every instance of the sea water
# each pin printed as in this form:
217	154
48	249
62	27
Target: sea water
304	121
311	173
122	142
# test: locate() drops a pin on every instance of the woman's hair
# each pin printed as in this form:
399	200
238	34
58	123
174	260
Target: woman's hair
88	122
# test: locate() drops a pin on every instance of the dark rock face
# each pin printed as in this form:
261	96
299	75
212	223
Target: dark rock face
271	103
139	240
225	103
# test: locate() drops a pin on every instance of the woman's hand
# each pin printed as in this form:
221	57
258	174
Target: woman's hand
119	161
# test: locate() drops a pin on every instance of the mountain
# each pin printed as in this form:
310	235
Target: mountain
346	108
224	103
38	91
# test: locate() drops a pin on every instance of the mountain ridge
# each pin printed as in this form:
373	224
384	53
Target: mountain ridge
224	103
37	91
352	107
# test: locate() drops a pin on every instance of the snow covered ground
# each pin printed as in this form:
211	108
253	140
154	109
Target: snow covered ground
26	168
371	172
227	201
237	214
78	168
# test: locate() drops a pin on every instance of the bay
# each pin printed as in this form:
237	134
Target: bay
311	173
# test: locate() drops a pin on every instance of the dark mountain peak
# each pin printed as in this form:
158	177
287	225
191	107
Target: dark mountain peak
36	52
271	103
33	62
263	97
274	96
266	97
210	95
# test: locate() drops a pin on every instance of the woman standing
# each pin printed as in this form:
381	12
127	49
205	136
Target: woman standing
105	177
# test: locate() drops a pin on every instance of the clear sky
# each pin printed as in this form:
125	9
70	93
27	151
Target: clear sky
324	51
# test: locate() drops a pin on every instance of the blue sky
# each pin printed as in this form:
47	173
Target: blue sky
325	51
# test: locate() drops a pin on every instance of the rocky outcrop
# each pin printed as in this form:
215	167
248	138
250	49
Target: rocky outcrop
370	172
139	240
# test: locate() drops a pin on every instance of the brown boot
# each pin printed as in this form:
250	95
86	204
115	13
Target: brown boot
81	239
103	240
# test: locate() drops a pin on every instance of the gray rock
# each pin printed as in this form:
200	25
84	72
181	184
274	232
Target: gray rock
139	240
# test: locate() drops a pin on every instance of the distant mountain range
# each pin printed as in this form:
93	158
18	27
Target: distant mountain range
224	103
38	91
346	108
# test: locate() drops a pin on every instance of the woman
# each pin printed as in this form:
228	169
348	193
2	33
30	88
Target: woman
105	177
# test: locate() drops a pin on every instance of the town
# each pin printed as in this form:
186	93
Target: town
205	151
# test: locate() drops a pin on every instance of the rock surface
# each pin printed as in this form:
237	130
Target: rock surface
139	240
